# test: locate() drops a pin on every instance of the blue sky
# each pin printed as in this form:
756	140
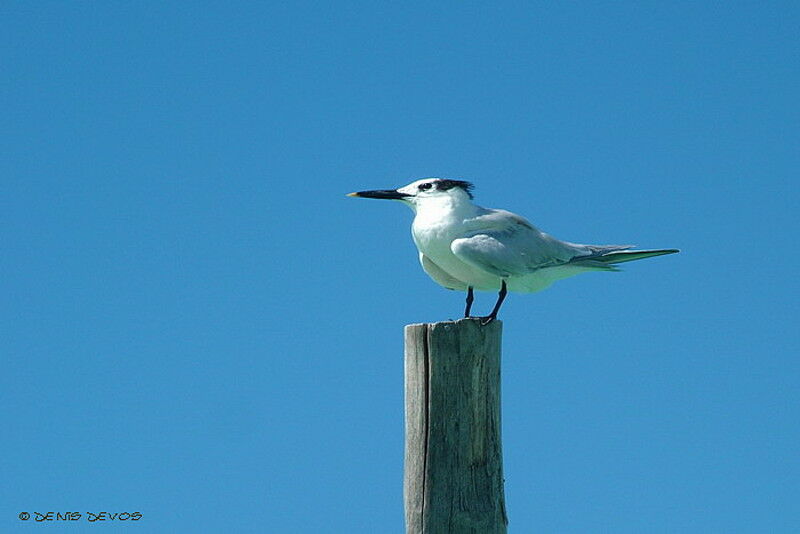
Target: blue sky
198	325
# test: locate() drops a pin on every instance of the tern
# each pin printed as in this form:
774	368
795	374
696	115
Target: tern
465	247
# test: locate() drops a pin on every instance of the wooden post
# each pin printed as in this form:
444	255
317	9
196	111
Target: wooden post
453	458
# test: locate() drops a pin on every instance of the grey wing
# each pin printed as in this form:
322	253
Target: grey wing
505	244
439	275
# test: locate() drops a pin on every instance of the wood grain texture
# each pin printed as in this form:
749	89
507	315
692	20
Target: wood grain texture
453	455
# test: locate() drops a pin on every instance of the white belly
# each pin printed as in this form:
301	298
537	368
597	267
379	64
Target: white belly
435	244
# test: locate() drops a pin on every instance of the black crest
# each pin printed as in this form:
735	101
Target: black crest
444	185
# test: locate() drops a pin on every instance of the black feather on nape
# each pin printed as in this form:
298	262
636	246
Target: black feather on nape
444	185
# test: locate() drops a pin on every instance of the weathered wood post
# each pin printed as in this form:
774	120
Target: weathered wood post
453	457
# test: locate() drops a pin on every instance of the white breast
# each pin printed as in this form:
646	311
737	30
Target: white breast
433	239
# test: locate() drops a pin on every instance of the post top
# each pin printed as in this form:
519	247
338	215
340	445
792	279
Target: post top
476	321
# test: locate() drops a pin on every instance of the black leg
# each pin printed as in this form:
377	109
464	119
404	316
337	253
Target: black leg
500	298
470	298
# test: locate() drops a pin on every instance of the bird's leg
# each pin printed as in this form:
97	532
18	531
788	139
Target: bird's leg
470	298
500	298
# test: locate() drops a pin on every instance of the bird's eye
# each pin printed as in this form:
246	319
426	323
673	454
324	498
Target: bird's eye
425	186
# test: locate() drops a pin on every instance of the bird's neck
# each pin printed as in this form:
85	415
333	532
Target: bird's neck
445	210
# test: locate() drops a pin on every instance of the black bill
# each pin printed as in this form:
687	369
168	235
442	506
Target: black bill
389	194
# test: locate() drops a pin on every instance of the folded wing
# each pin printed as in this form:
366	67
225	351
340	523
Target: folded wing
505	244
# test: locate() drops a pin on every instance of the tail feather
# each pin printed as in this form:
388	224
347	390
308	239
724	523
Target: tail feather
621	256
631	255
606	258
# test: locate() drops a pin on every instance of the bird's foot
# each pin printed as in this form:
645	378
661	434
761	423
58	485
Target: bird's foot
484	320
488	319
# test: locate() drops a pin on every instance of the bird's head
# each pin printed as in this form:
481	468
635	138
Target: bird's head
428	192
